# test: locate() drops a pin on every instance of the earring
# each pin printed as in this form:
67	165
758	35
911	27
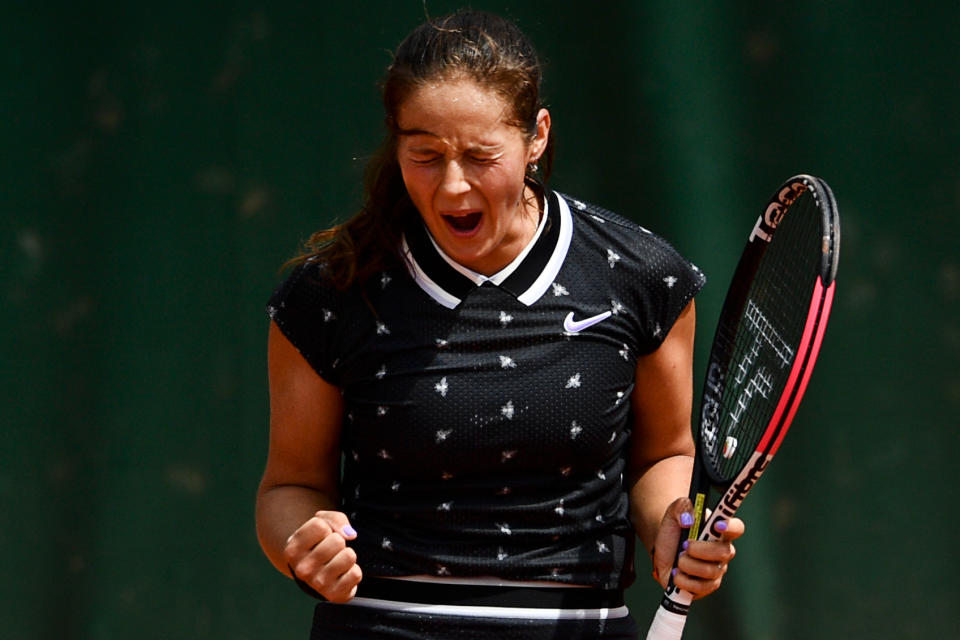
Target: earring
533	167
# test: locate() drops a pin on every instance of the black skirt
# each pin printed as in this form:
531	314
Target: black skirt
390	609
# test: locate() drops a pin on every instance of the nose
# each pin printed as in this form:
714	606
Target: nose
454	179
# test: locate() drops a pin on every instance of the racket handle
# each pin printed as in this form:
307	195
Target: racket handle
671	616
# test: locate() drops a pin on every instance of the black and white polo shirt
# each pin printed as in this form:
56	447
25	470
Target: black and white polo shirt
486	419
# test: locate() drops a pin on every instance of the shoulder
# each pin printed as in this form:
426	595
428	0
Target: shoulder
302	286
599	215
651	280
624	237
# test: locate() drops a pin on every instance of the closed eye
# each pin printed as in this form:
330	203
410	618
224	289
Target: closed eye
484	159
424	159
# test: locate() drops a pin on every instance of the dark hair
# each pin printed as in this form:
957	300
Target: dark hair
483	47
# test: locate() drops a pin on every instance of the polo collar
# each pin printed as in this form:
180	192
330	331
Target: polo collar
527	278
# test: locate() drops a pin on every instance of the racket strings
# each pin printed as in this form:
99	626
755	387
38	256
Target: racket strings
761	344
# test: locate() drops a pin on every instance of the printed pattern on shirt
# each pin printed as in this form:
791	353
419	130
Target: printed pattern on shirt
489	439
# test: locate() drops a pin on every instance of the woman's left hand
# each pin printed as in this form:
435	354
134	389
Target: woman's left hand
702	565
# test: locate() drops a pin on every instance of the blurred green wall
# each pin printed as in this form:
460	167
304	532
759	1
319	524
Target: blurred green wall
161	160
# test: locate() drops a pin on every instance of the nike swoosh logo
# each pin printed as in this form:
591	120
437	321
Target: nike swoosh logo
574	326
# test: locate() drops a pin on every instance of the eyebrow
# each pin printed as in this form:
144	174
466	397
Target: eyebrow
415	132
481	147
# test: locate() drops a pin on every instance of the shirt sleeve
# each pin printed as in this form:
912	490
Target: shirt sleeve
309	312
666	283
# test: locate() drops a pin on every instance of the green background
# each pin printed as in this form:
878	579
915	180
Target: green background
161	160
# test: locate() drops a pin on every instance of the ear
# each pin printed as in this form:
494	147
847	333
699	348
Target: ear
539	143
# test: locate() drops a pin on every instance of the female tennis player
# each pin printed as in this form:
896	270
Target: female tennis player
480	388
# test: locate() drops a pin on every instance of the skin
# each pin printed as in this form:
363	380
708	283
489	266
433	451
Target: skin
463	163
463	166
661	462
298	524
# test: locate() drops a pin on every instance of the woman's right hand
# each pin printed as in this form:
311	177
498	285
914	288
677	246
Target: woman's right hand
318	554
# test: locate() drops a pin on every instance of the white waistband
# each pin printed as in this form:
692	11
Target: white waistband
493	612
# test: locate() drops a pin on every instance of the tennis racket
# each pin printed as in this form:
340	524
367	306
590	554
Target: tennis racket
768	336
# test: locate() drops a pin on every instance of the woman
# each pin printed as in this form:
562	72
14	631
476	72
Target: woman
504	371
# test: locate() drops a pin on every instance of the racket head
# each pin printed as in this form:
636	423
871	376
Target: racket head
789	266
773	305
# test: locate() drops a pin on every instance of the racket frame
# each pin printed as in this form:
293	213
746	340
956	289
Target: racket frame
671	615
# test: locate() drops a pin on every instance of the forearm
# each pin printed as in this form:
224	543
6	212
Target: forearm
652	490
280	511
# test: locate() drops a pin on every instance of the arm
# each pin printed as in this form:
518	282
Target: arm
661	453
298	522
661	462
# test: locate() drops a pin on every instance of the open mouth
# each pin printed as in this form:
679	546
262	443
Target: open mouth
466	223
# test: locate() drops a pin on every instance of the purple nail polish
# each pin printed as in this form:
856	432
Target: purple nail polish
686	543
673	572
721	525
349	531
686	519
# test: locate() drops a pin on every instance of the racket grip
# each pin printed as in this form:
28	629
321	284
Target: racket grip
671	616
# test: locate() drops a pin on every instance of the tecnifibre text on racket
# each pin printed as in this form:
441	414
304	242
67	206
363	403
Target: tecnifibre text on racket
768	336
